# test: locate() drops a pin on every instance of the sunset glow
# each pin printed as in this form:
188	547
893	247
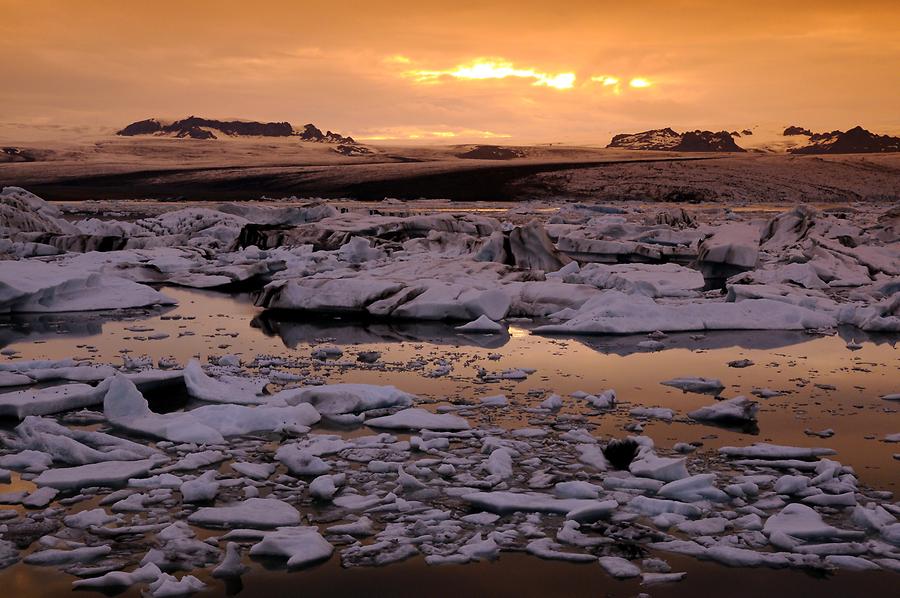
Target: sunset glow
576	71
495	69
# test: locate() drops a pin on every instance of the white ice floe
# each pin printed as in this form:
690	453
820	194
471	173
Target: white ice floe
107	473
126	408
347	398
736	410
696	384
254	512
483	324
34	286
419	419
613	312
301	546
504	502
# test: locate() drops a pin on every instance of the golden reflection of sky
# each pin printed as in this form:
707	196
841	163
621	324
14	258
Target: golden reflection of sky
562	366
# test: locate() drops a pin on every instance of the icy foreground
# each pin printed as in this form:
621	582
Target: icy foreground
587	269
120	503
456	489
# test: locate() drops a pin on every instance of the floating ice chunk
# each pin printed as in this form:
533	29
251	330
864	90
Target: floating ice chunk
347	398
323	487
197	459
45	401
601	400
872	517
359	528
167	586
419	419
480	518
762	450
663	413
483	324
618	567
86	519
657	506
504	502
125	407
553	402
629	483
546	548
120	579
791	484
242	391
850	563
40	498
592	455
738	409
666	469
577	489
649	579
201	489
694	488
75	446
324	352
499	464
846	499
14	379
231	565
479	548
257	471
109	473
84	554
612	312
891	397
708	526
301	461
35	286
300	545
253	512
803	522
29	461
494	401
696	384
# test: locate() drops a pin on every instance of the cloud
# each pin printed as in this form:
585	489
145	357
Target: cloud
493	68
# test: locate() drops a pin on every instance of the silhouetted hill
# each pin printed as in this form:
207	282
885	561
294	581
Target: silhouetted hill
669	140
855	141
196	127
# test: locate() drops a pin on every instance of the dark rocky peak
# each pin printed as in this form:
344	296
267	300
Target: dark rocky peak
141	127
795	130
670	140
854	141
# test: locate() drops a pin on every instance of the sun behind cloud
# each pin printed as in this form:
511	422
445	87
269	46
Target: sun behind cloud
494	68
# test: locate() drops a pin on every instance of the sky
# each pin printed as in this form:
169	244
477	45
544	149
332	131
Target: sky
522	71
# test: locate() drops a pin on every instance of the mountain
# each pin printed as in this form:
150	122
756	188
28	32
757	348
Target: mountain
670	140
855	141
491	152
795	130
195	127
311	132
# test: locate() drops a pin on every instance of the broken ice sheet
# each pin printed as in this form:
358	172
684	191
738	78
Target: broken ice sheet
268	434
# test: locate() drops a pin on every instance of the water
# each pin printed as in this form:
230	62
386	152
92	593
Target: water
789	361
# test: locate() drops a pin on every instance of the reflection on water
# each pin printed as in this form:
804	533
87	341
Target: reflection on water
207	323
295	330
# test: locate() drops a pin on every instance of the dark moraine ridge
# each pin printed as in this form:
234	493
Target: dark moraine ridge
489	182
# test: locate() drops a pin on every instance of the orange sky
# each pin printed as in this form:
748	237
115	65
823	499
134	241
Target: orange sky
455	71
